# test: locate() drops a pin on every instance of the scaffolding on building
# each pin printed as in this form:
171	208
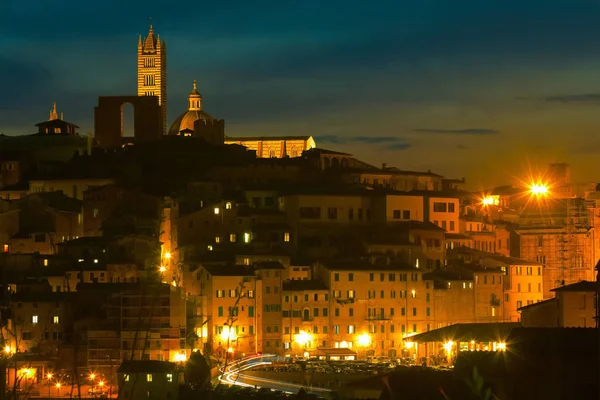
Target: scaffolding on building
559	235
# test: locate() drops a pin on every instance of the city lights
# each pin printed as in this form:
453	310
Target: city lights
49	376
538	189
162	269
167	255
364	340
501	346
448	346
409	345
228	334
92	376
7	349
303	338
180	357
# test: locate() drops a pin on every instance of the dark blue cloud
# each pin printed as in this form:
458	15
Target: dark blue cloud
592	98
468	131
386	142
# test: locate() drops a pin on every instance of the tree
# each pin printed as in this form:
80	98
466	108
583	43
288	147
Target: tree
197	372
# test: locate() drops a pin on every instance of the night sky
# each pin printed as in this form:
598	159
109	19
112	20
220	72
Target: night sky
482	89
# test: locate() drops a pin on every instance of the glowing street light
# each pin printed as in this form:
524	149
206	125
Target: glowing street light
538	189
7	350
364	340
448	346
501	346
162	268
167	255
303	338
92	376
228	333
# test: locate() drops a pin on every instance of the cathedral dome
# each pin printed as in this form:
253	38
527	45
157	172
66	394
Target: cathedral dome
185	122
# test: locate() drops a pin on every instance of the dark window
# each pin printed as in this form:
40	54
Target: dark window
406	214
332	213
439	207
310	212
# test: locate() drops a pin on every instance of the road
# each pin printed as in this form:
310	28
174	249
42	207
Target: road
233	375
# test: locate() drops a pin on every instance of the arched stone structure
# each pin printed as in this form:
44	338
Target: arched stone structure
108	119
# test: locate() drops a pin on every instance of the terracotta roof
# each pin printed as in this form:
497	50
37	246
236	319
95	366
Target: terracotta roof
583	286
493	332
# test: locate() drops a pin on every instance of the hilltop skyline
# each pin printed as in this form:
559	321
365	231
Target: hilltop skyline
476	90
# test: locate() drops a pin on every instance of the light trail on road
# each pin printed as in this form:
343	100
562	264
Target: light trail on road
232	375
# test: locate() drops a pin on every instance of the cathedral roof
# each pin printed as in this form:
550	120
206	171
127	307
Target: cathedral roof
185	122
187	119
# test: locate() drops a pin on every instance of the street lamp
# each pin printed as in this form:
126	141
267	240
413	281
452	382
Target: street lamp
58	388
167	256
92	377
49	377
538	189
364	341
303	339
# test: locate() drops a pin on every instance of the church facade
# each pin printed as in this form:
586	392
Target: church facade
274	146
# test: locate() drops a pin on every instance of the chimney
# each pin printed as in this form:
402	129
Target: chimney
383	165
62	116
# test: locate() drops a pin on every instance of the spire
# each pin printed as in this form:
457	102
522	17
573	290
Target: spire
53	113
150	42
140	42
194	99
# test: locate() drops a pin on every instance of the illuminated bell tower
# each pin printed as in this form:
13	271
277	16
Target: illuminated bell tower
152	71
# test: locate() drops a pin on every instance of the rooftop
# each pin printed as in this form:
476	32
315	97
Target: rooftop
366	265
583	286
483	332
297	285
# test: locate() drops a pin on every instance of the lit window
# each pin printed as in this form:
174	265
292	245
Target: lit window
169	377
286	237
246	261
228	205
149	377
126	377
217	211
34	319
493	311
247	237
5	249
95	261
217	239
209	247
55	319
45	262
81	260
232	237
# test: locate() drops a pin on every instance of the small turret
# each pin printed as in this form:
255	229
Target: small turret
194	99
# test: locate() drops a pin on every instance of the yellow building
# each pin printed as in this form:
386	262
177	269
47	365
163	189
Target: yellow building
305	316
241	307
523	283
373	307
573	307
274	146
443	211
152	71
